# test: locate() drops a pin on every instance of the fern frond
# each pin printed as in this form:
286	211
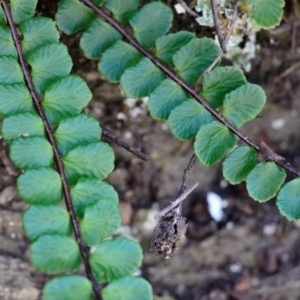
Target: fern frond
224	88
67	161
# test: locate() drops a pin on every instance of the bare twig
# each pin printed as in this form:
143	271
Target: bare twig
182	83
267	153
287	72
188	9
176	202
187	173
109	134
215	14
58	161
225	41
235	12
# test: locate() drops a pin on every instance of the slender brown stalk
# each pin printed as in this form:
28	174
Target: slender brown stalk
176	202
134	150
58	161
215	14
225	41
187	173
188	9
183	84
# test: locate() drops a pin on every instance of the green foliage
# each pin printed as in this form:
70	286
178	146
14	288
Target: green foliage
224	88
82	129
266	13
187	118
288	200
140	80
88	191
10	71
25	124
22	9
71	287
212	142
165	98
264	181
86	160
65	97
7	47
73	15
24	154
117	59
32	187
219	82
168	45
151	22
194	58
48	63
39	220
105	265
37	32
55	254
243	104
100	221
98	37
122	11
238	164
127	288
95	160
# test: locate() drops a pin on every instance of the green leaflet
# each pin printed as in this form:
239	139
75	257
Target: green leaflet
151	22
25	152
48	63
55	254
128	288
243	104
22	9
97	38
72	287
82	129
194	58
88	191
92	160
212	142
73	15
15	98
186	119
139	81
100	221
165	98
266	13
168	45
288	200
122	10
239	163
115	258
220	81
25	124
38	32
264	181
40	186
39	220
2	17
65	97
117	59
6	42
10	70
